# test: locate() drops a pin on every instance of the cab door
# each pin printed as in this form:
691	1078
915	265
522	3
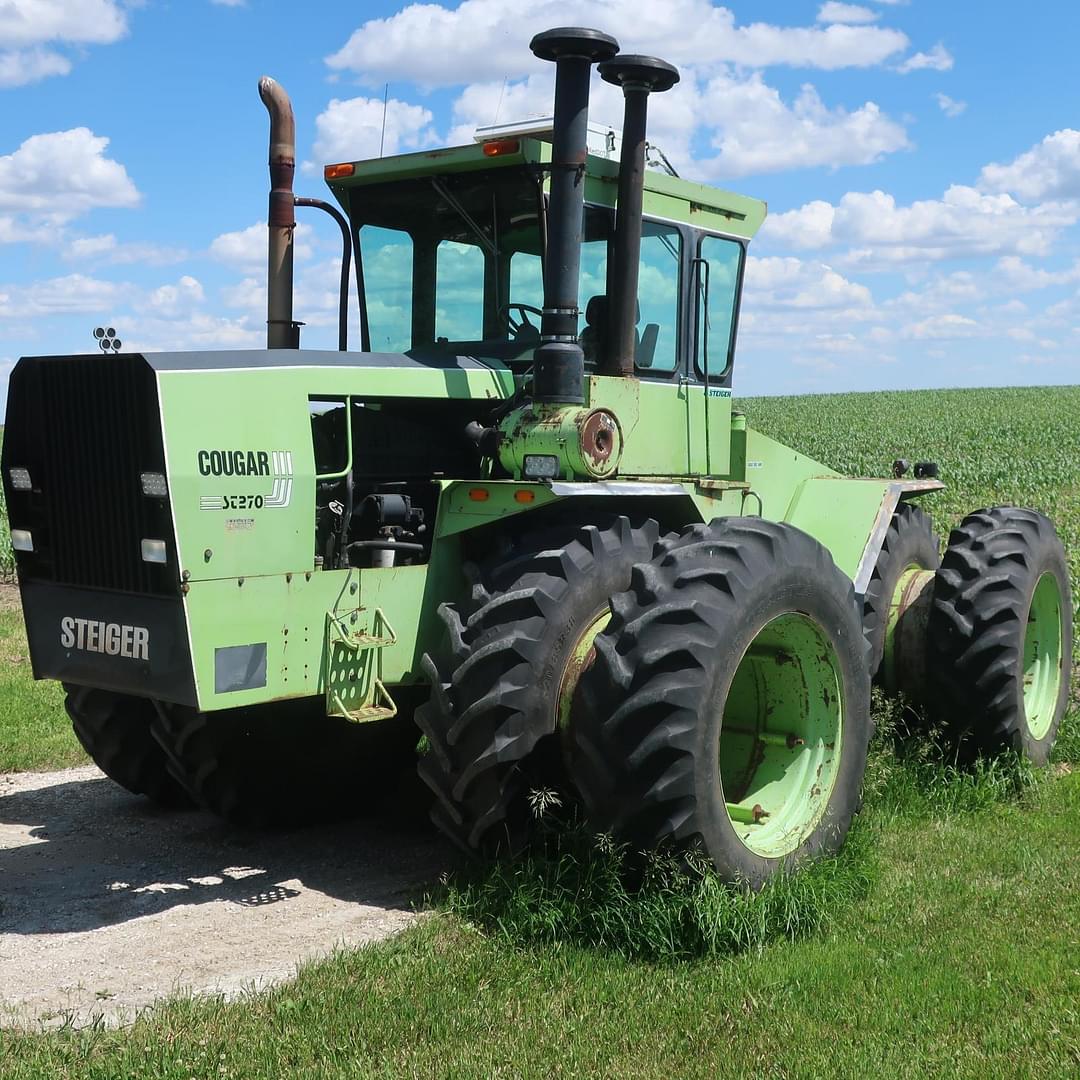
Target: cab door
716	282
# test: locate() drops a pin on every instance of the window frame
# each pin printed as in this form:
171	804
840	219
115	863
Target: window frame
685	246
724	376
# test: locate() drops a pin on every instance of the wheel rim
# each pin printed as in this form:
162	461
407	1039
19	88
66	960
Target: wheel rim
579	661
1042	657
780	735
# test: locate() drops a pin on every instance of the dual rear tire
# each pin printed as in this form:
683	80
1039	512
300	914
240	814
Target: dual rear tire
728	708
1000	635
724	707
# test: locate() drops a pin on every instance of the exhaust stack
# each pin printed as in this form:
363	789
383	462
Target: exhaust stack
638	76
281	331
559	373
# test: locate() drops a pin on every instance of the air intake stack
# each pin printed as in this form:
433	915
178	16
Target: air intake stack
559	362
638	76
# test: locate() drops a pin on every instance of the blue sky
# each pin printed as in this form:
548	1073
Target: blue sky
921	161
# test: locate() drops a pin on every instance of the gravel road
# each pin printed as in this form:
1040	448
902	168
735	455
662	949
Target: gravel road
108	903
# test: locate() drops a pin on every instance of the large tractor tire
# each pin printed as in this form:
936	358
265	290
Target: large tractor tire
910	545
114	729
286	763
1000	634
728	708
515	656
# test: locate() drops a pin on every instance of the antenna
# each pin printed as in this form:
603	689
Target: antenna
498	108
382	137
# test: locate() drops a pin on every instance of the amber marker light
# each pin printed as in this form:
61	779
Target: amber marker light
498	147
338	172
479	494
524	495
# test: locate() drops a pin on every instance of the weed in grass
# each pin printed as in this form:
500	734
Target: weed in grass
578	889
911	772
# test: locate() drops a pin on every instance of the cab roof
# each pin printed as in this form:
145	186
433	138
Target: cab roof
670	197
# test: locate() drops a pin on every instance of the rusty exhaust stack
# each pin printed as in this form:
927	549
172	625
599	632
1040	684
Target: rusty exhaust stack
281	331
559	371
638	76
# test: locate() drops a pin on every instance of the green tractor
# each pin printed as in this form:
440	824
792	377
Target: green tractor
546	552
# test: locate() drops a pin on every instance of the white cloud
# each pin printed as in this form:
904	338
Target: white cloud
14	231
194	330
759	132
62	174
945	326
229	3
31	22
936	59
1049	170
963	222
174	301
19	67
26	25
353	130
246	248
853	14
107	250
949	106
487	102
64	295
794	283
491	39
1018	274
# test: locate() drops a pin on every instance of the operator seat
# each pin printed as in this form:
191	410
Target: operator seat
593	337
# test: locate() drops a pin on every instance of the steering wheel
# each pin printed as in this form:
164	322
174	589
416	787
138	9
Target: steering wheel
522	326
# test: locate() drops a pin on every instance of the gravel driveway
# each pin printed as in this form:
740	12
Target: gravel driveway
108	903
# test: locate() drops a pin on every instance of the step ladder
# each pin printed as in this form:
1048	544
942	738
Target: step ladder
354	686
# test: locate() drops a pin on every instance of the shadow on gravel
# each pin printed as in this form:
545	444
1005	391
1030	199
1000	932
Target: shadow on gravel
82	854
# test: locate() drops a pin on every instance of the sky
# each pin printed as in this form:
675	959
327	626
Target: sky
920	159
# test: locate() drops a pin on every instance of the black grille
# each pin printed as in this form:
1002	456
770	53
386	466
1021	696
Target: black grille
86	427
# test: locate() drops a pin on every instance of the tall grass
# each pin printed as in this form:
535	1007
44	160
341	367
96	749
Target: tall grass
575	889
7	556
579	890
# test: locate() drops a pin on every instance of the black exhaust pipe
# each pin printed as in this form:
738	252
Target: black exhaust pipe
281	331
559	369
638	76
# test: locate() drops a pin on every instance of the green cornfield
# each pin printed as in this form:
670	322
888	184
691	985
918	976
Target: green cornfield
1013	446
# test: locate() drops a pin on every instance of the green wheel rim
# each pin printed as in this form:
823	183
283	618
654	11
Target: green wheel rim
581	657
780	735
1042	657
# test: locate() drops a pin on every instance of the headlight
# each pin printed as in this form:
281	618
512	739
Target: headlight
154	551
540	467
21	540
20	479
154	485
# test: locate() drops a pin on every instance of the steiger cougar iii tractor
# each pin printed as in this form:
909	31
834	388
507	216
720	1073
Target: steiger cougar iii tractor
509	546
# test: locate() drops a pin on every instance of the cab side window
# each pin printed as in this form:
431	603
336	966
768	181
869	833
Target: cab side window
658	298
717	278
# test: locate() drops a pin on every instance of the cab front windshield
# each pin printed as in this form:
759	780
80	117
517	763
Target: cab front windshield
452	263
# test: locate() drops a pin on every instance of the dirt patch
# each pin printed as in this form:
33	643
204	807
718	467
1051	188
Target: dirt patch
9	597
108	903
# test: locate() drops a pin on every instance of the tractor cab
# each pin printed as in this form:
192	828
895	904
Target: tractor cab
452	248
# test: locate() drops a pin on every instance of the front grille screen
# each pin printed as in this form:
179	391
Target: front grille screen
86	427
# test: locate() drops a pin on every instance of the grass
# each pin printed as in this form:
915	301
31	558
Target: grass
959	959
943	940
34	729
7	556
